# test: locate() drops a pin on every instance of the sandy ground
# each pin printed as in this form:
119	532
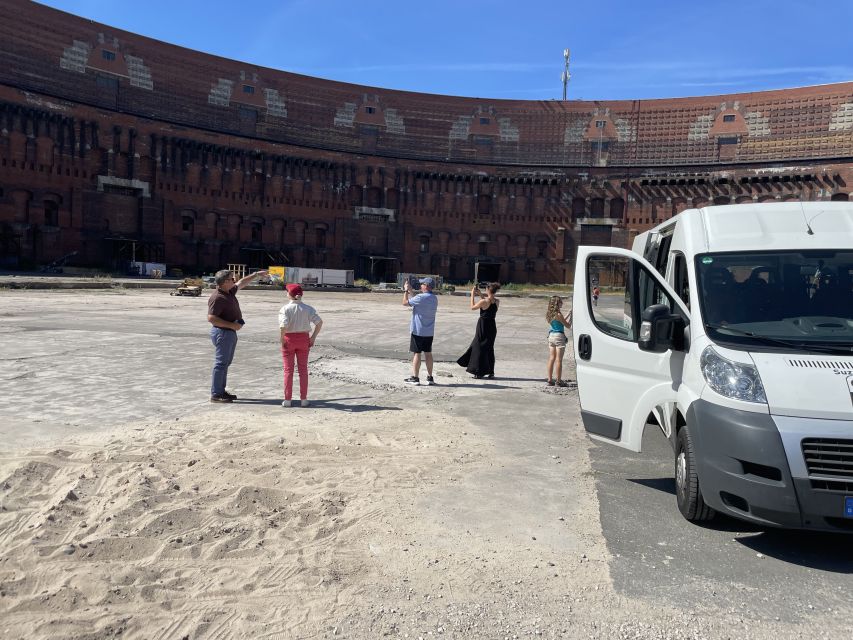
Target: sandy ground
130	507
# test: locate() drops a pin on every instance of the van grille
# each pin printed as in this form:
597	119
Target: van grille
829	463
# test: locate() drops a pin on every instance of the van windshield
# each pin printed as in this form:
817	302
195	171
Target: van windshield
782	299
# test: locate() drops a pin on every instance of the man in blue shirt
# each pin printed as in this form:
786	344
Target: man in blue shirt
423	306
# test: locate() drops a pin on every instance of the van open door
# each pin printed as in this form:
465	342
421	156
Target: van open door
629	343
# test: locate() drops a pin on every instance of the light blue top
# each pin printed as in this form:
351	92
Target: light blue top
556	326
424	306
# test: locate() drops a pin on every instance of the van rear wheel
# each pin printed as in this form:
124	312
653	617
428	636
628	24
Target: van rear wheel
687	493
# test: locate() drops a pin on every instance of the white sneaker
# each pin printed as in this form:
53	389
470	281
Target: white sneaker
305	403
286	403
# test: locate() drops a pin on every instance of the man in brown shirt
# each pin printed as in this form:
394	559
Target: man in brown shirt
223	313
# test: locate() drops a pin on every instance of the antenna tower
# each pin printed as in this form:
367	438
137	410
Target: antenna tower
565	76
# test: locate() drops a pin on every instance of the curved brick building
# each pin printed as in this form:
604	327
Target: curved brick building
117	146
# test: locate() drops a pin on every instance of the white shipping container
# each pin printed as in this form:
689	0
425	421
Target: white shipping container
338	278
319	277
310	277
291	275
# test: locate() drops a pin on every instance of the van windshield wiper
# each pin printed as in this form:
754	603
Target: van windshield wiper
820	348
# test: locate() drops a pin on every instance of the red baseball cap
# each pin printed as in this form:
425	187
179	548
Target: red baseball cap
294	290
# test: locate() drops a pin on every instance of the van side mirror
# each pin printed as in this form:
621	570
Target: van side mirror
661	330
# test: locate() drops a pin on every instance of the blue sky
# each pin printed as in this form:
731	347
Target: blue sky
498	49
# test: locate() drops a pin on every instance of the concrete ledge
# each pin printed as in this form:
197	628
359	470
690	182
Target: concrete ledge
45	284
266	287
71	282
31	281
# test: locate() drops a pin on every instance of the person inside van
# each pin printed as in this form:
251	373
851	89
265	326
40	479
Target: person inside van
828	299
720	295
759	296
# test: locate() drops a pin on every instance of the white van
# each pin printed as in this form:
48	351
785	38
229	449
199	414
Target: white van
732	328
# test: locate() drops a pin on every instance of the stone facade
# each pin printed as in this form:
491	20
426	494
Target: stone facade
115	146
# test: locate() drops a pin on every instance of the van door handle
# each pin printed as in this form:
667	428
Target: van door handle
584	347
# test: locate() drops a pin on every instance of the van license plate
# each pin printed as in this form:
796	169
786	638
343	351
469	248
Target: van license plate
848	507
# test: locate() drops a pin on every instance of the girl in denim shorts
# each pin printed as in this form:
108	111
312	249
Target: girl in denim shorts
557	340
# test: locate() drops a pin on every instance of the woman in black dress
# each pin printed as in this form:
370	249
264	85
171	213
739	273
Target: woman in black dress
479	360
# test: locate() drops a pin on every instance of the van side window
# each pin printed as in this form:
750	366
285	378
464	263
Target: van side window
616	306
657	247
663	254
650	292
680	281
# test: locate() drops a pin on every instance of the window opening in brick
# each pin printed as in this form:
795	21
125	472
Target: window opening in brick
187	224
485	120
599	124
51	213
370	109
120	190
108	55
247	115
107	82
729	118
424	244
247	88
484	205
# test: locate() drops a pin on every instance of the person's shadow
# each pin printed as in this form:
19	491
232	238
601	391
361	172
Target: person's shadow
479	384
488	383
505	379
338	404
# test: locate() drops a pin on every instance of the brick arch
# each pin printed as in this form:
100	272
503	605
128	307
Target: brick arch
21	199
617	208
462	240
279	226
186	220
679	205
373	197
356	195
521	242
661	210
578	208
51	196
596	207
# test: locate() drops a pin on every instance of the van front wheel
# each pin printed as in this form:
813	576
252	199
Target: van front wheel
687	493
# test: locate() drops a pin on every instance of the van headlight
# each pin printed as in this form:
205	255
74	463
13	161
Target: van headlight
732	379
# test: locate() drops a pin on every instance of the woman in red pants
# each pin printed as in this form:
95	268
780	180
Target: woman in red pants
295	320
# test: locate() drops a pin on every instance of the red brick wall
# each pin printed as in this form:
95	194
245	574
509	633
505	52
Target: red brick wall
260	170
